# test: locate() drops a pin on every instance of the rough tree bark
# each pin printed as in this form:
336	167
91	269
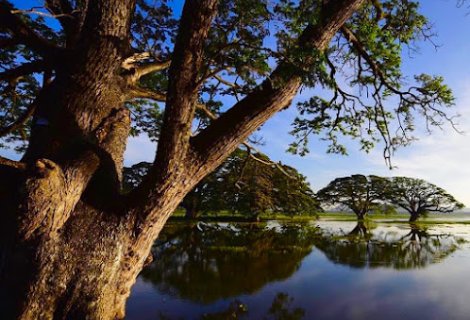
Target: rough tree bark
71	244
414	216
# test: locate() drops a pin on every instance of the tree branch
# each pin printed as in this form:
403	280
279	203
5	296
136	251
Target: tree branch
136	92
63	11
24	33
250	148
19	122
137	69
12	163
148	68
182	89
24	69
234	126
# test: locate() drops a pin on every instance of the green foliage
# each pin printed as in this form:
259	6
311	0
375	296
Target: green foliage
385	209
418	196
368	52
18	91
243	185
362	194
248	39
358	193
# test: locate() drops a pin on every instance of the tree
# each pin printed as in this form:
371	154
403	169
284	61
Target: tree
244	183
202	197
251	186
222	262
418	197
359	193
78	77
363	248
292	193
255	185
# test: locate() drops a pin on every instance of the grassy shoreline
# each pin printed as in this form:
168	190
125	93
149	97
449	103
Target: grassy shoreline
225	216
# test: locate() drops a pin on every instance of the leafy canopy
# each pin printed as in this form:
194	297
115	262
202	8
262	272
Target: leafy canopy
362	194
418	196
364	95
358	193
244	185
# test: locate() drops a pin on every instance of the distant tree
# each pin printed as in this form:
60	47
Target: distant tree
133	176
252	192
364	248
292	193
78	77
244	185
359	193
418	197
200	198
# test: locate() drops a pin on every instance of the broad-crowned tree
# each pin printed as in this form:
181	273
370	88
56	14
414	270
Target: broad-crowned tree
245	183
78	77
419	197
292	193
358	193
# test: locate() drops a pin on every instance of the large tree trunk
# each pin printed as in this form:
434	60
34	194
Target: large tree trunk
85	271
360	215
71	245
191	212
414	217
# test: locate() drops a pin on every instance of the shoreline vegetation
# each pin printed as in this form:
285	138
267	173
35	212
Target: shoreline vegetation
225	216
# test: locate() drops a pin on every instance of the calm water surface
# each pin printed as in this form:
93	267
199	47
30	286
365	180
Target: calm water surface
319	270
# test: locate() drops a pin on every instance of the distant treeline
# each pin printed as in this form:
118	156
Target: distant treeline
247	184
362	194
252	184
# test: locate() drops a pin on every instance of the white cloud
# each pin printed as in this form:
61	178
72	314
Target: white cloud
139	149
441	158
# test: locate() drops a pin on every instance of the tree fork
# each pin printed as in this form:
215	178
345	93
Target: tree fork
69	255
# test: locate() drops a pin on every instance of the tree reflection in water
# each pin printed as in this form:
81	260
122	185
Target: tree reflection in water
362	248
205	263
222	262
281	309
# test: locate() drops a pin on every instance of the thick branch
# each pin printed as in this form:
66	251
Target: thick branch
12	163
182	88
22	70
19	122
24	33
145	69
63	11
136	92
247	145
138	69
235	125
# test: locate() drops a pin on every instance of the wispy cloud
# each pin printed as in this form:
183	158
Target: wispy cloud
139	149
442	157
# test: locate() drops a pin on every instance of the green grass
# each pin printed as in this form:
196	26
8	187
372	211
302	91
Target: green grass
227	216
347	216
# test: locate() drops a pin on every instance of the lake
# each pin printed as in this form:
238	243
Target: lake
313	270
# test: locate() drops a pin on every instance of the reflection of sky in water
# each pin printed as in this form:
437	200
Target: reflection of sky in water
326	290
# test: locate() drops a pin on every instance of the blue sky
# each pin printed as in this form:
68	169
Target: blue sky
441	158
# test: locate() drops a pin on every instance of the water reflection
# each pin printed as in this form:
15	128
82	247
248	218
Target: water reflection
281	309
207	263
408	249
204	263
